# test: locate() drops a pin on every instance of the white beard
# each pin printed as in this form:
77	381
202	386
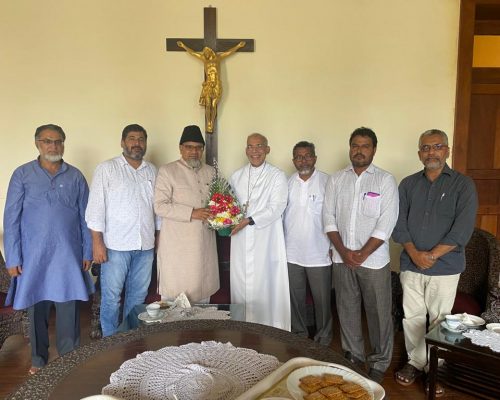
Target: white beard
193	163
54	158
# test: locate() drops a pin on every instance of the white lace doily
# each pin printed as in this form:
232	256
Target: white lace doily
195	371
484	338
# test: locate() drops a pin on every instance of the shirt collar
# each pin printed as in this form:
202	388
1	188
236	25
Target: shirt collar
183	162
62	168
446	170
125	162
370	169
297	176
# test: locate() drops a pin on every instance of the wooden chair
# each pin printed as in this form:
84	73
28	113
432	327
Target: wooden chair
12	322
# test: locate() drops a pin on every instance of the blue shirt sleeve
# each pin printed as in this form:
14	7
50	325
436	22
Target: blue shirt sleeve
12	220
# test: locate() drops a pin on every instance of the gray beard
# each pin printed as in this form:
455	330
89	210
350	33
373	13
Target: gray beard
433	164
193	163
54	158
305	171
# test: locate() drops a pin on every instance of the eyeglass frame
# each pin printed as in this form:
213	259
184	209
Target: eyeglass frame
48	142
304	158
425	148
258	146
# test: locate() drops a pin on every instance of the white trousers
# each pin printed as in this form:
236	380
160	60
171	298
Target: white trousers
422	295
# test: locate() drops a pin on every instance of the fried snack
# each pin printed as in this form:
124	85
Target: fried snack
313	387
332	379
315	396
310	379
357	394
332	392
351	387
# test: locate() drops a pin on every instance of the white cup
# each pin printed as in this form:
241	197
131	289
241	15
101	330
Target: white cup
153	310
453	321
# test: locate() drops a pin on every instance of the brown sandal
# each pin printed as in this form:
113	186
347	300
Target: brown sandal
439	391
33	370
407	375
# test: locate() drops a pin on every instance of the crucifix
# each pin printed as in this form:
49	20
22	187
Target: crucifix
210	50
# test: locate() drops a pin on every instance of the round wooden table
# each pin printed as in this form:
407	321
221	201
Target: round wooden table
86	371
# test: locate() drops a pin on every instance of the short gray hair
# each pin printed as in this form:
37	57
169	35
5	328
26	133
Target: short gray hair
432	132
50	127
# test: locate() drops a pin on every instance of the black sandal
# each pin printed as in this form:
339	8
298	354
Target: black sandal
407	375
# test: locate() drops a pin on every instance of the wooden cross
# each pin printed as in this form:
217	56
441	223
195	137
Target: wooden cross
210	40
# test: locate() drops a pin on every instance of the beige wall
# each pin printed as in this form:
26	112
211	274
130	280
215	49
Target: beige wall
318	72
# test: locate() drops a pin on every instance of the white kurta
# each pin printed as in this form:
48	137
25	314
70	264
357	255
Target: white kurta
259	274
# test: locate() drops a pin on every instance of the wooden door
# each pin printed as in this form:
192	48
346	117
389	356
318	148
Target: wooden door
477	119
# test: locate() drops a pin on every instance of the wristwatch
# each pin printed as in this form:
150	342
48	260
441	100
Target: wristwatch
251	221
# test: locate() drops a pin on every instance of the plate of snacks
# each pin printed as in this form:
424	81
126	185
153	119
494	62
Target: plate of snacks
327	382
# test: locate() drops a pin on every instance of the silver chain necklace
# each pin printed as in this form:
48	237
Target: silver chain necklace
250	191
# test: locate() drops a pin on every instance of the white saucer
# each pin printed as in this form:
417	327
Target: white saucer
448	328
494	327
144	316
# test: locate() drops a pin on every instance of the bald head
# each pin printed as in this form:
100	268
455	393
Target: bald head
258	136
257	149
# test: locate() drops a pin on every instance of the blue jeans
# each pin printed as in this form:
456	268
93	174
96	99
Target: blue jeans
131	269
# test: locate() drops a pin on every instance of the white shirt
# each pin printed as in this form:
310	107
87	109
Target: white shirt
121	205
306	243
360	207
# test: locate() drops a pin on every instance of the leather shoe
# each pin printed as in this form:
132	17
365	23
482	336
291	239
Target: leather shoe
358	363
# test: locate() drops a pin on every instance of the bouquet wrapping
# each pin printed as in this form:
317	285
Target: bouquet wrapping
223	204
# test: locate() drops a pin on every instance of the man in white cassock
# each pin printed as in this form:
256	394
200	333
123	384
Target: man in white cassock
259	275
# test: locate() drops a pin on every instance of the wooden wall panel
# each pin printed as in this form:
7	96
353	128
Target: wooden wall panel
489	223
488	192
480	149
496	146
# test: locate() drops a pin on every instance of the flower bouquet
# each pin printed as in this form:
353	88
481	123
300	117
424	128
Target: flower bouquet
226	211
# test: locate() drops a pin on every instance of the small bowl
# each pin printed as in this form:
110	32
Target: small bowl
453	321
153	310
494	327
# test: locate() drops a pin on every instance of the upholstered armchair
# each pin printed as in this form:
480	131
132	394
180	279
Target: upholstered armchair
11	321
478	291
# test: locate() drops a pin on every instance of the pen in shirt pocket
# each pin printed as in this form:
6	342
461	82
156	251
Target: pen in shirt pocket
442	196
370	194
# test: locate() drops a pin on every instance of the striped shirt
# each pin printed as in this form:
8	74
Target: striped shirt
360	207
121	205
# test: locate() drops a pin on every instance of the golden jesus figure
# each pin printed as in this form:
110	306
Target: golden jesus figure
211	90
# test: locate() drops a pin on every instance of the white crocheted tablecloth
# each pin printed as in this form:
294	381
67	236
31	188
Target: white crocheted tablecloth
484	338
195	371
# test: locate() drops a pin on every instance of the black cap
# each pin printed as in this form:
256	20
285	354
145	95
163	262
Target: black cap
192	133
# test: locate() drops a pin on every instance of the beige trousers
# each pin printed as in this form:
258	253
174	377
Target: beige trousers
422	295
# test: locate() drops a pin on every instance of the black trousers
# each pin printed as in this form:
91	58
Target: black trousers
67	329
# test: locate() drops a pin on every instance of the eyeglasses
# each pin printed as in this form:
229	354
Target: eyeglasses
48	142
303	158
256	147
190	147
425	148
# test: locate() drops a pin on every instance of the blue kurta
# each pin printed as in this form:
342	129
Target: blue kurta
45	232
